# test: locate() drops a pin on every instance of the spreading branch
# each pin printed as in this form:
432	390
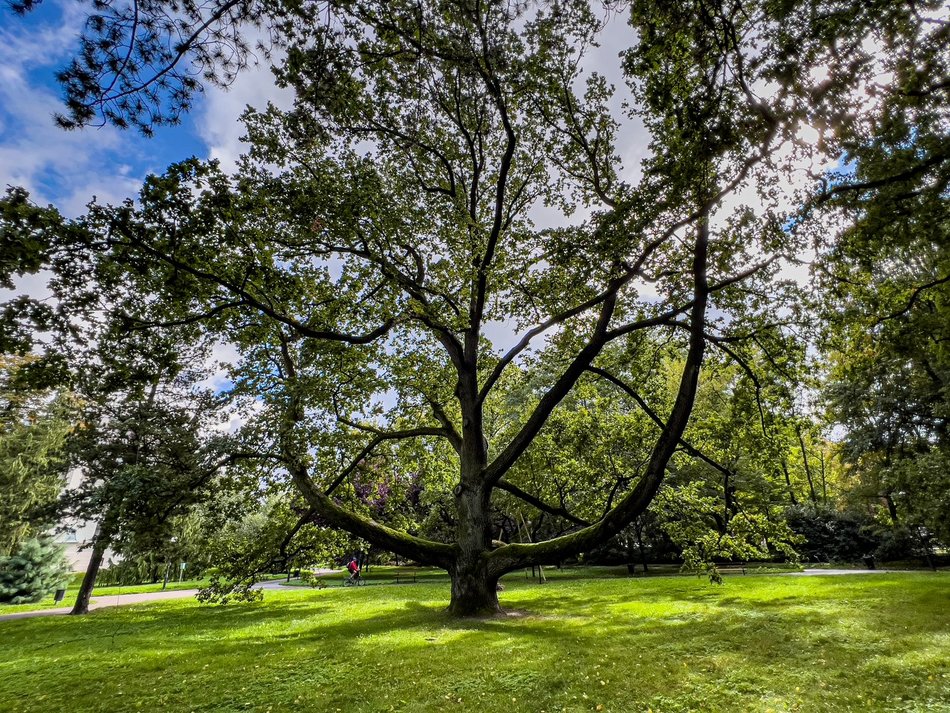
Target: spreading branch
538	503
638	499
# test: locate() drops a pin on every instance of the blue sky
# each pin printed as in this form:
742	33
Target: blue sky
69	168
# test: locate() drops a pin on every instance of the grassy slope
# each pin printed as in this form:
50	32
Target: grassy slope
858	643
73	590
109	591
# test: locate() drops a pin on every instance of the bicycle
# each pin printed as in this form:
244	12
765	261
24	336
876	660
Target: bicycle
354	581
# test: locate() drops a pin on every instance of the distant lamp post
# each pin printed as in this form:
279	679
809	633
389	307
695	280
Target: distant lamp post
168	564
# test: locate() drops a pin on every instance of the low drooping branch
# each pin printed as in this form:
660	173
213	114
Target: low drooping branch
298	526
426	551
538	503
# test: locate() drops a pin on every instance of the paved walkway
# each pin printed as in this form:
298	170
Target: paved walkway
832	572
118	600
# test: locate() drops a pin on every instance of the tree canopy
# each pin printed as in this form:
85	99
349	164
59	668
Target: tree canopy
366	251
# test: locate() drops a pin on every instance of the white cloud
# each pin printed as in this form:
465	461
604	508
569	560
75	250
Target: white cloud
224	355
67	168
218	120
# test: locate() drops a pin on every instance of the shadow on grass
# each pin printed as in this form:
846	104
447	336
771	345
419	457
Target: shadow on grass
708	641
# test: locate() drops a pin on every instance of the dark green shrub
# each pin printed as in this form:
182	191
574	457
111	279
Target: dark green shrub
832	536
898	543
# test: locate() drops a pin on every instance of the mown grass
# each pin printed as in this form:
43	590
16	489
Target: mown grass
757	643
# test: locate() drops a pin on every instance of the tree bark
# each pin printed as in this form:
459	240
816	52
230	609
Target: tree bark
891	508
811	484
99	545
474	591
788	483
474	588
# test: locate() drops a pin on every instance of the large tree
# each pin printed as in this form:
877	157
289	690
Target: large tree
883	278
137	423
380	230
887	330
147	444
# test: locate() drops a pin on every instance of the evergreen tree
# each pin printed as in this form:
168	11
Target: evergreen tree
36	569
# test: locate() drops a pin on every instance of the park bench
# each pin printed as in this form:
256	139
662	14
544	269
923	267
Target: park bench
732	568
406	577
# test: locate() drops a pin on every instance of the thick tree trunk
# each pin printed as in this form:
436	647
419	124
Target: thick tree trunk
99	545
474	592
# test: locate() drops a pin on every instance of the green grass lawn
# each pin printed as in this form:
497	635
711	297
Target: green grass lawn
757	643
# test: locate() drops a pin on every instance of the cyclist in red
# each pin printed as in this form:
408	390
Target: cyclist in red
354	569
